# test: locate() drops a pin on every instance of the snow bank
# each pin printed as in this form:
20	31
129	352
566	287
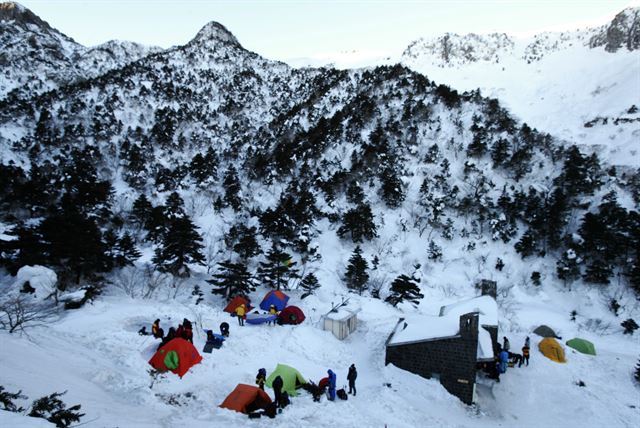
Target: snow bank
41	278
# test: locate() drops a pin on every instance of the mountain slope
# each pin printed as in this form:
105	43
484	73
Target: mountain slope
577	85
37	58
258	157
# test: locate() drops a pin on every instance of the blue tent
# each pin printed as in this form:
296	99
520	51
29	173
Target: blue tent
276	298
260	318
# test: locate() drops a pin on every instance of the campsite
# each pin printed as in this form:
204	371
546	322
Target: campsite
109	367
309	214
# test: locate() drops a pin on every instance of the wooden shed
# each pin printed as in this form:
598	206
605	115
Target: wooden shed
341	321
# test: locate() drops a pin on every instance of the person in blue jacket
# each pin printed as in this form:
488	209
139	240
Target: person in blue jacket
504	360
332	385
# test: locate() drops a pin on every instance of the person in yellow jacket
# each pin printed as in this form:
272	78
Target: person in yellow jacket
273	311
156	331
240	313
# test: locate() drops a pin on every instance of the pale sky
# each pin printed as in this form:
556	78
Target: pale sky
288	29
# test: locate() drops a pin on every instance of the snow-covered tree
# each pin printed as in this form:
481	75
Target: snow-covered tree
278	270
181	245
232	279
309	284
405	288
356	276
358	224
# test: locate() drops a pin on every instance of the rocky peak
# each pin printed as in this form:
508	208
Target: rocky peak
623	31
216	33
11	11
454	49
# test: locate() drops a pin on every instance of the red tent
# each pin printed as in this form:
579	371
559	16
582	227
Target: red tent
235	302
178	355
291	315
246	399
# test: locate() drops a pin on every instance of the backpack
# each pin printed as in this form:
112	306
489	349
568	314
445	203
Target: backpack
342	394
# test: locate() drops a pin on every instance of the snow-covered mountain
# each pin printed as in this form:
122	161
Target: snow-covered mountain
151	180
579	85
37	58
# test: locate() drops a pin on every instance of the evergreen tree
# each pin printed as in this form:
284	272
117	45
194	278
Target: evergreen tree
598	271
232	279
636	375
433	154
125	251
6	399
141	210
181	245
499	264
358	223
174	207
405	288
278	269
629	325
526	246
567	267
135	171
309	284
53	409
156	224
242	240
535	278
434	252
355	195
580	174
391	187
500	151
232	189
73	243
203	168
356	276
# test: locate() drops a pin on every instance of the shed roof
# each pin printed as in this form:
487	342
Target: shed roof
341	314
486	306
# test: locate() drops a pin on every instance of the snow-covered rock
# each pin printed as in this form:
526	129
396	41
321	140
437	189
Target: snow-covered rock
41	278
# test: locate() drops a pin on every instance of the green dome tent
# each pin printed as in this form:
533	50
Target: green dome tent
545	331
582	345
291	378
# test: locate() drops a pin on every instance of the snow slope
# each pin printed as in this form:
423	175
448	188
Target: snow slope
98	357
561	93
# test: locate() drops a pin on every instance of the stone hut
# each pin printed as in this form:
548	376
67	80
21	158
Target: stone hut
448	347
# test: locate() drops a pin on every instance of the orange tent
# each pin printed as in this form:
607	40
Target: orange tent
552	350
235	302
246	399
178	356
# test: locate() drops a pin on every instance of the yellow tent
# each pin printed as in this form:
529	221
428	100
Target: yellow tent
552	350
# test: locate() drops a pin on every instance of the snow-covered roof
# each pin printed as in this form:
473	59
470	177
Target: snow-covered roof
420	328
485	345
486	306
341	314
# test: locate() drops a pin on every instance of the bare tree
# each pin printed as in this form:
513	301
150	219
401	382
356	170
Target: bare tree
21	312
142	282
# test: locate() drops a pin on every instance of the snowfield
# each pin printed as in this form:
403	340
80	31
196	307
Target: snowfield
96	354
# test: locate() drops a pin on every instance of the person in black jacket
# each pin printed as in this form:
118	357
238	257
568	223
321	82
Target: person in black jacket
351	377
277	390
224	329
